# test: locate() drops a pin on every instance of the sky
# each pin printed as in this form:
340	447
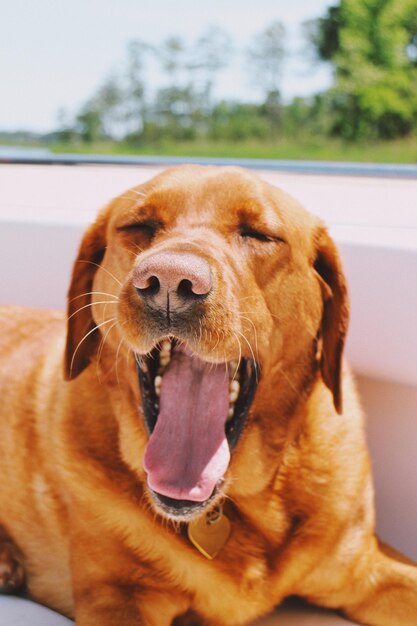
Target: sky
55	53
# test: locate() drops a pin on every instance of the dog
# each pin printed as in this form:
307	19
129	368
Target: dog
187	446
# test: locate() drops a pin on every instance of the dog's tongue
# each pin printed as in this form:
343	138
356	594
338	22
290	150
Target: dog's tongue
187	453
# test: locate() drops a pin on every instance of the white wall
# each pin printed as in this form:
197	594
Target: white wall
35	262
391	410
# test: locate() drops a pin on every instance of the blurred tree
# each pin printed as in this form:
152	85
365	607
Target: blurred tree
66	132
323	34
273	111
135	90
174	110
309	117
172	54
210	54
265	57
235	121
175	104
297	116
102	116
89	124
372	45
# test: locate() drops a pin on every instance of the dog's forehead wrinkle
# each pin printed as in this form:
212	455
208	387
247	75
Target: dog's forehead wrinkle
195	217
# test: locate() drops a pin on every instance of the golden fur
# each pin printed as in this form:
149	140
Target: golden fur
298	491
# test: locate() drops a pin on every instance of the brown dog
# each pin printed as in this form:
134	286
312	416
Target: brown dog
204	414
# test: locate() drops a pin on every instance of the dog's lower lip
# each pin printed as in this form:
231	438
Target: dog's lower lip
181	509
178	504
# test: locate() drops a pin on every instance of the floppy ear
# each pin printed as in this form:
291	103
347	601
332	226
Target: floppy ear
82	335
335	317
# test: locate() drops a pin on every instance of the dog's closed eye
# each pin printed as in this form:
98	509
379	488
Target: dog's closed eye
247	232
147	227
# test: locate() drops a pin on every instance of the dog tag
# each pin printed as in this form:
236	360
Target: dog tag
210	533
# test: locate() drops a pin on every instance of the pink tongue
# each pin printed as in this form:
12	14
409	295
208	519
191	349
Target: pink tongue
187	453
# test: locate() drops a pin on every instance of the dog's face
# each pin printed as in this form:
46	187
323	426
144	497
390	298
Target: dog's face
230	298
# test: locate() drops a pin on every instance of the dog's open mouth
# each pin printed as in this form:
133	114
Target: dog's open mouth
195	412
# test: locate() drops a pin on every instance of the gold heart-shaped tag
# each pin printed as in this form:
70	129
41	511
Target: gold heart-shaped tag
209	533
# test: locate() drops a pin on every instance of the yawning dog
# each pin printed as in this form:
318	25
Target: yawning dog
186	446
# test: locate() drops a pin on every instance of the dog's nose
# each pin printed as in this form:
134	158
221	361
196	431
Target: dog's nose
173	279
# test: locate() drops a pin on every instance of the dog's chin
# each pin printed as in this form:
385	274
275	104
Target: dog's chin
183	510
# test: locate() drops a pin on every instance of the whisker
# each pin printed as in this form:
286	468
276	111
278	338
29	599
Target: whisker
287	378
92	304
85	337
240	353
102	342
117	360
128	352
218	340
253	356
254	332
103	268
133	253
142	194
94	293
133	191
246	298
138	247
122	340
200	333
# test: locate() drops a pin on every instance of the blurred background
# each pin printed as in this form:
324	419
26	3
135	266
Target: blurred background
306	79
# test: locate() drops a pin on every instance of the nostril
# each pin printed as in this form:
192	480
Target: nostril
185	289
189	291
151	289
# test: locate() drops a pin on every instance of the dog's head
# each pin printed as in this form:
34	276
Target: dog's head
229	299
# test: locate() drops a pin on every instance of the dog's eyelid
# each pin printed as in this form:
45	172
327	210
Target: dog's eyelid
150	224
248	232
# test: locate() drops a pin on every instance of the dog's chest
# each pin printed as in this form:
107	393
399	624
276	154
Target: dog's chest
236	582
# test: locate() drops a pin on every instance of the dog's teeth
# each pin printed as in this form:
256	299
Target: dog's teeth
166	346
164	355
234	388
164	358
157	383
234	385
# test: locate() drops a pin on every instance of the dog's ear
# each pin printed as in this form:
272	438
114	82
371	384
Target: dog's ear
82	335
328	267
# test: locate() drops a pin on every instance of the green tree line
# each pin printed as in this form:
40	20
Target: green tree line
371	46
